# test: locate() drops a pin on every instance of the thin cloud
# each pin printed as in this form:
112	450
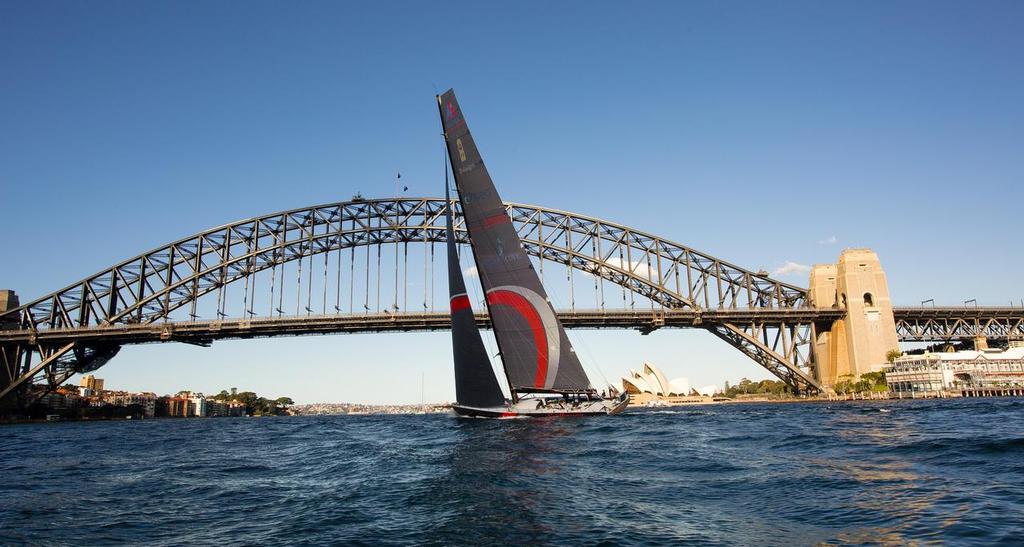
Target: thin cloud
791	268
829	241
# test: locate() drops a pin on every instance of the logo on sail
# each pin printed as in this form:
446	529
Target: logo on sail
543	327
462	151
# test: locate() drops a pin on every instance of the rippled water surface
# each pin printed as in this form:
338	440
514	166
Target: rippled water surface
871	472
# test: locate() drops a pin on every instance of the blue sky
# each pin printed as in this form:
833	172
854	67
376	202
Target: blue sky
761	133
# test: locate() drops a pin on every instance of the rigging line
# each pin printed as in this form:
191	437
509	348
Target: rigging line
224	298
352	272
255	281
432	295
245	292
309	287
597	277
379	244
405	275
366	302
326	255
622	266
220	293
195	283
568	268
581	341
478	303
280	292
540	248
298	286
404	297
394	305
250	304
629	267
252	300
600	260
337	288
650	275
424	260
273	279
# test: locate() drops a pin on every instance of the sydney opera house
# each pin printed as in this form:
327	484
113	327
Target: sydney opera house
651	387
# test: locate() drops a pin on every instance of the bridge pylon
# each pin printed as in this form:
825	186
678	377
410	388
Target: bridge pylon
8	354
858	342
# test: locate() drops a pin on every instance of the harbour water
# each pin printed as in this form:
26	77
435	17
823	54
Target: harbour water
846	473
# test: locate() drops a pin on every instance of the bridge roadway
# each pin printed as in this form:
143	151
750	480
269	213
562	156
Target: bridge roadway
913	324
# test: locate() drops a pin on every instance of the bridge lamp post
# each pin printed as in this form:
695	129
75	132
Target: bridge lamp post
975	300
932	300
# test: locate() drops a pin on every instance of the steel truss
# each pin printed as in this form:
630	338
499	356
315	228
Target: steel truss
959	323
146	289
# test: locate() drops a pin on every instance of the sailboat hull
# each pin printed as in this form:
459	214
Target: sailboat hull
536	408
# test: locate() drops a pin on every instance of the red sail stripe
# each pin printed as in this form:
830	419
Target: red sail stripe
496	219
540	340
459	302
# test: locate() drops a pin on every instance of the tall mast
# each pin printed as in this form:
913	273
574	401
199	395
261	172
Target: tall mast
535	349
451	238
475	383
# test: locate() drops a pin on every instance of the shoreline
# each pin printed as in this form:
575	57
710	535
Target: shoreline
753	400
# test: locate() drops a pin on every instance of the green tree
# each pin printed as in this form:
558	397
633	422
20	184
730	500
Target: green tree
284	401
892	355
875	381
844	385
745	385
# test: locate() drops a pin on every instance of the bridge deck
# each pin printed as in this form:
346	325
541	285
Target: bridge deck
914	324
259	327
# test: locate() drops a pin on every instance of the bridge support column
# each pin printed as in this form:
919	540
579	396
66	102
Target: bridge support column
9	354
857	343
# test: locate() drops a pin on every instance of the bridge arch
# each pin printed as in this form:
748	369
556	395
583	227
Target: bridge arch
150	287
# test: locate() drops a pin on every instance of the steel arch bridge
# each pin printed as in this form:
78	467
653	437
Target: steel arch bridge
152	286
142	299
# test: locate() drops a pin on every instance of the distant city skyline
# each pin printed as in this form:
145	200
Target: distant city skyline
772	136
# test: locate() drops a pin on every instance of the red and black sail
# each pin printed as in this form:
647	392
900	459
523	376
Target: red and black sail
534	347
475	383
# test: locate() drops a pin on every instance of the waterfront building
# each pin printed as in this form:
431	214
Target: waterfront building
197	405
92	383
957	371
216	408
146	400
187	404
236	408
60	400
177	407
650	387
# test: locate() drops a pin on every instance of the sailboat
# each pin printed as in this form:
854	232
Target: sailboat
544	375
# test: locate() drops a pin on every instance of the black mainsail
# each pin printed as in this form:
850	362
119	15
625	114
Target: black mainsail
534	348
475	384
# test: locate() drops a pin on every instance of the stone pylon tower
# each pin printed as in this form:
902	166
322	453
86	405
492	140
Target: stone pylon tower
857	343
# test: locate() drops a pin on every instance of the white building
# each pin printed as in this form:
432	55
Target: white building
650	386
930	372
